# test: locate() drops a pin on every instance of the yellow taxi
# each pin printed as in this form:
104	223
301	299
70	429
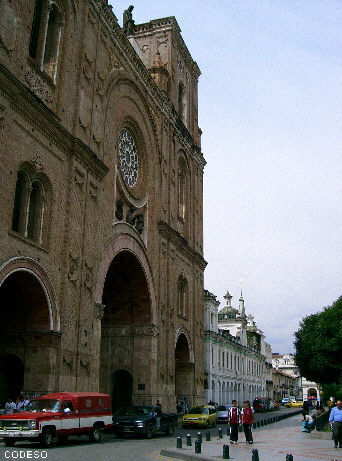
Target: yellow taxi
294	403
200	416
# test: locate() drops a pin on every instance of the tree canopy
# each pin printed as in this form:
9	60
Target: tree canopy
318	344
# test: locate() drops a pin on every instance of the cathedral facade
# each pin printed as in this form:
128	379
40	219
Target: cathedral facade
101	231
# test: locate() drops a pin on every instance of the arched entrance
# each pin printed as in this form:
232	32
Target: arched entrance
128	339
122	389
27	344
184	368
11	377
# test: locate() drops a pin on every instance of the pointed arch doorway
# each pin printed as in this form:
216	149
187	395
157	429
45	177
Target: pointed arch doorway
122	389
128	338
184	368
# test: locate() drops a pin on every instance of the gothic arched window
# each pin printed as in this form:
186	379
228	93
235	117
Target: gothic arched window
46	35
29	206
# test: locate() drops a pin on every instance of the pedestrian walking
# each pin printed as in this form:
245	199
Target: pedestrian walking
247	417
335	421
234	420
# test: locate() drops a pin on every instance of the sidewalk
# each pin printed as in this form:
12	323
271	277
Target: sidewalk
273	443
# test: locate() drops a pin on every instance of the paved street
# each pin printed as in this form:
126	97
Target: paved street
272	441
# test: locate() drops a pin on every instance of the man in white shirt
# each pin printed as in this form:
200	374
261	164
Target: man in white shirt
9	407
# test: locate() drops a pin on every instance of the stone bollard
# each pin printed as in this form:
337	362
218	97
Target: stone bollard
258	423
289	458
179	442
188	440
207	436
226	452
220	433
199	437
262	423
254	425
198	446
255	455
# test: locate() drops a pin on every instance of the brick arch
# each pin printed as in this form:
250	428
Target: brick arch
29	266
183	331
125	241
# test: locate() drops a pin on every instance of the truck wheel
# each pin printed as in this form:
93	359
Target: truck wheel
170	429
95	435
148	432
9	442
46	440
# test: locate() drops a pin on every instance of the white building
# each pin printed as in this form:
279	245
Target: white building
237	360
286	363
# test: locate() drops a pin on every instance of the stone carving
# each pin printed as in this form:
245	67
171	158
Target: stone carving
99	309
127	21
130	219
79	178
131	330
37	86
135	220
87	67
93	191
119	209
88	276
140	223
37	162
101	77
114	63
73	268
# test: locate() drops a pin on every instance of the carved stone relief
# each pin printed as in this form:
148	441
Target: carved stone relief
73	273
38	86
99	309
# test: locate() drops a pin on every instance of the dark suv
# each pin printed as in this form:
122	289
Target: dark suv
261	404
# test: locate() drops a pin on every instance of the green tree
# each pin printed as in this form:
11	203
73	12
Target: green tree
318	344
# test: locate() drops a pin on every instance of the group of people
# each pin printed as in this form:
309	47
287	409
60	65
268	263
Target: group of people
244	416
17	406
182	405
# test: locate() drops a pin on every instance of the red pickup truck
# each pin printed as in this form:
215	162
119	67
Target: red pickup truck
58	415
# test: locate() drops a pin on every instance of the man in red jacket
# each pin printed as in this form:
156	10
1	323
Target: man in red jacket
247	416
234	420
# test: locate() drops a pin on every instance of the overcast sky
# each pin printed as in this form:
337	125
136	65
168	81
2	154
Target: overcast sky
270	108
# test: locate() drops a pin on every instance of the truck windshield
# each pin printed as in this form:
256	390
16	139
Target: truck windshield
50	405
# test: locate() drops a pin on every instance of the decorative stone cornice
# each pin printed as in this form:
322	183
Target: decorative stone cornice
131	330
181	244
32	109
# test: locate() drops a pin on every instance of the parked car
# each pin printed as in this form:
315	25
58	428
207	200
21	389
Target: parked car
142	420
285	400
200	416
58	415
261	404
294	403
222	413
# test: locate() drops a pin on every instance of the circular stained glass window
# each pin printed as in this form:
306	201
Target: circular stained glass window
128	158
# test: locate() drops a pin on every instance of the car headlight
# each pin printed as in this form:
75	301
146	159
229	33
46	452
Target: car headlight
140	424
32	424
